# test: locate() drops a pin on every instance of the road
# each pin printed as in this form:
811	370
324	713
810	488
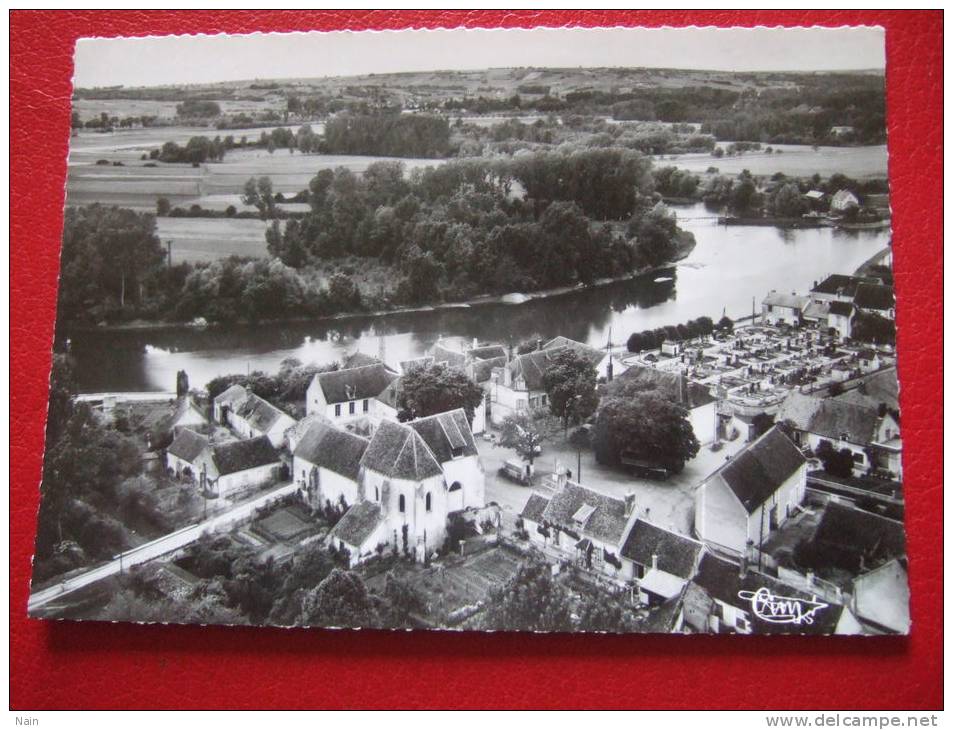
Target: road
151	550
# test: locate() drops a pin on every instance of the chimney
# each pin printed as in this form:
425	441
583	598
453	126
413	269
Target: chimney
629	503
476	343
539	343
654	561
743	568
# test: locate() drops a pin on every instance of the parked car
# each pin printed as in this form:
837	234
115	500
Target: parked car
517	472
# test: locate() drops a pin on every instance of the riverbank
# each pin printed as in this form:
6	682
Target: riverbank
685	247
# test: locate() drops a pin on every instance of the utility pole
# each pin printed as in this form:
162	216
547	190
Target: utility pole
168	245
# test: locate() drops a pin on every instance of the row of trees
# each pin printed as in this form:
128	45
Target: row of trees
653	339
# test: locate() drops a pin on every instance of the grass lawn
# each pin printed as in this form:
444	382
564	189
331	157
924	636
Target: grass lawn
207	239
282	525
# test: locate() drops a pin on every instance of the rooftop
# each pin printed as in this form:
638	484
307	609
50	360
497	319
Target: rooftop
237	456
676	554
605	521
447	435
331	448
357	524
259	413
368	381
399	452
757	471
188	445
833	418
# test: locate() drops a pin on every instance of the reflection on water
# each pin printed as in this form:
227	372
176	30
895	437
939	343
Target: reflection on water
729	269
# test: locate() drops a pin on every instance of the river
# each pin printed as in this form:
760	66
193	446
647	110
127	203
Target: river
728	268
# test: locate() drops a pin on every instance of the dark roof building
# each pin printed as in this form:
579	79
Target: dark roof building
358	360
672	553
839	285
259	413
447	435
532	366
723	580
581	510
333	449
758	471
534	508
874	296
399	452
832	418
236	456
187	445
841	309
357	524
340	386
863	539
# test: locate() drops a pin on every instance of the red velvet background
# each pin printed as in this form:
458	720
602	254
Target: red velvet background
71	665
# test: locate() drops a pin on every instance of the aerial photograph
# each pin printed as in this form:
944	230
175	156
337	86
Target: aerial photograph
555	330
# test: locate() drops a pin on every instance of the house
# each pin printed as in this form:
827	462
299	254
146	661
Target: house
751	495
840	318
676	388
726	597
783	308
294	434
660	560
836	287
223	469
345	396
257	417
842	201
875	299
582	525
881	599
871	435
532	517
181	454
227	401
857	540
606	364
477	361
416	474
326	464
358	360
877	388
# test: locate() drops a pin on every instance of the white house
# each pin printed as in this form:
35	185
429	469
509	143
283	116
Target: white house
327	465
227	401
751	495
842	201
783	308
881	599
870	433
226	468
661	561
416	474
719	600
345	396
581	524
840	318
257	417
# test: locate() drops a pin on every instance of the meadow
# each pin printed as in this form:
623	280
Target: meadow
794	161
206	239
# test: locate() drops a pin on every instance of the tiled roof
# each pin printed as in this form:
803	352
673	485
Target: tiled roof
880	387
532	366
483	369
340	386
606	522
399	452
233	394
358	360
236	456
674	387
188	445
391	393
446	433
419	363
839	284
332	448
357	524
676	553
486	352
721	579
535	505
757	471
259	413
841	309
784	299
593	354
857	531
832	418
874	296
448	356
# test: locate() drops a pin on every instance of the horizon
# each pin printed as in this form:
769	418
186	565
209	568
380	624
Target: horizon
179	60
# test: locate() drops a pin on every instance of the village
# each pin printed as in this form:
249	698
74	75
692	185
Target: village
789	484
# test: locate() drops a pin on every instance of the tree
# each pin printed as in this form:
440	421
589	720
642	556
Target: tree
308	571
570	383
725	324
645	426
530	601
521	433
399	601
163	207
605	614
341	601
437	389
788	202
181	383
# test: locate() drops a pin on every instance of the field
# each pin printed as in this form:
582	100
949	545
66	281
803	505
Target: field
207	239
794	161
92	108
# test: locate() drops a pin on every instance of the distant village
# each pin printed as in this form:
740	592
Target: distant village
794	496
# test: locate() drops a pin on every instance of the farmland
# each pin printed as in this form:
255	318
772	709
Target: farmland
206	239
795	161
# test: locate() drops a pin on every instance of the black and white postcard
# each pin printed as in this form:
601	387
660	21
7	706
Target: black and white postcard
557	330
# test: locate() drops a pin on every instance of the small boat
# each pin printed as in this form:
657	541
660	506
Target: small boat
660	279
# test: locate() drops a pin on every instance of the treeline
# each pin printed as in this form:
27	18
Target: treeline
459	230
389	135
285	389
699	327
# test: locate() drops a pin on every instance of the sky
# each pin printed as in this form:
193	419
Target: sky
162	60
